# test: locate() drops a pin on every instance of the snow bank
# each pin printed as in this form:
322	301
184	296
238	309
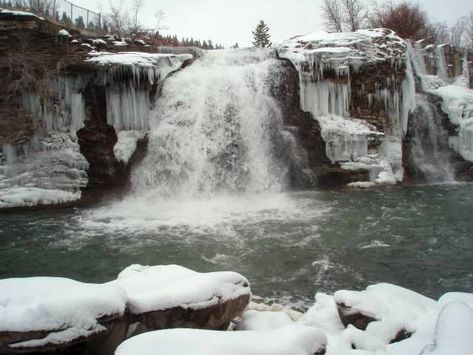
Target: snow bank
153	288
293	340
126	145
18	13
432	328
318	57
66	308
33	196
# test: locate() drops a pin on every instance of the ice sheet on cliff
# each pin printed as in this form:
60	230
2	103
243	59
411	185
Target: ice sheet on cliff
326	63
50	170
457	97
128	106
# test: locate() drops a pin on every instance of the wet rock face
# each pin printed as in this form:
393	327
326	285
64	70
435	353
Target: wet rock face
313	169
216	317
97	140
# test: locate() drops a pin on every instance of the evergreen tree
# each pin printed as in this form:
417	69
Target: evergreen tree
80	22
211	46
204	45
236	46
65	19
261	36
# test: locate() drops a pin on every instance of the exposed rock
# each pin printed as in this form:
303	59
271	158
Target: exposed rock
217	317
348	316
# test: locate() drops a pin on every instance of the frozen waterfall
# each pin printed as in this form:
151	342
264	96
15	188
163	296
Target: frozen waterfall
215	129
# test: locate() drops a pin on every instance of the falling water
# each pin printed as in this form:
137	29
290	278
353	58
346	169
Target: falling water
215	129
429	149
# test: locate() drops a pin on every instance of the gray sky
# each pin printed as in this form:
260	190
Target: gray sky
230	21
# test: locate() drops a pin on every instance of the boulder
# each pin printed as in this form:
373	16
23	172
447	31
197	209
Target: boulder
294	340
47	314
172	296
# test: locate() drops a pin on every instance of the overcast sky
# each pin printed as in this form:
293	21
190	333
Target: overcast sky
230	21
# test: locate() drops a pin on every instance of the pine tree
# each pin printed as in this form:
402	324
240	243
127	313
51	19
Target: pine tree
261	36
236	46
80	22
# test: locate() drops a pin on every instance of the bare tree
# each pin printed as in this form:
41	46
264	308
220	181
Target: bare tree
469	30
353	14
408	20
117	19
440	32
332	15
458	31
137	6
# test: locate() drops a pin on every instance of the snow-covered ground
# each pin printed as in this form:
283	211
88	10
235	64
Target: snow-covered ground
328	99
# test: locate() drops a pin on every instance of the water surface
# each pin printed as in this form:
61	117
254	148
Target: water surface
290	246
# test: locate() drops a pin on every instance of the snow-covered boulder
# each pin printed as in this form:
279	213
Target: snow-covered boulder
255	320
291	340
44	313
389	312
171	296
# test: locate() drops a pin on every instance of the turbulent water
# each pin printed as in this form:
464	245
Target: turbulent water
430	151
215	129
289	246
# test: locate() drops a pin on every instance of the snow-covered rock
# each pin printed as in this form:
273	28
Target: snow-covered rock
293	340
63	33
255	320
154	288
44	313
172	296
333	70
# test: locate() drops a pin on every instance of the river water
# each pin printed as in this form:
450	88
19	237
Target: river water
289	246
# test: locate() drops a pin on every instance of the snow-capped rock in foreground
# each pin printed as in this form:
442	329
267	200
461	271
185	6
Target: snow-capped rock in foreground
173	296
291	340
44	313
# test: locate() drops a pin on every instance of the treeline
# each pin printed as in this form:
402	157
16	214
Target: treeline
155	38
409	20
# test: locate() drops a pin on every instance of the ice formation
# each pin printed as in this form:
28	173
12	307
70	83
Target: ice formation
68	309
456	95
294	340
129	103
47	170
126	145
163	287
216	129
326	63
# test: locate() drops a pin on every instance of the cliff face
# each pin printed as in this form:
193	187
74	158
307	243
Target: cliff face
358	87
439	142
74	111
63	106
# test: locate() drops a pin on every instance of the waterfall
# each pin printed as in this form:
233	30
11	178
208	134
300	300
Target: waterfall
429	149
215	129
